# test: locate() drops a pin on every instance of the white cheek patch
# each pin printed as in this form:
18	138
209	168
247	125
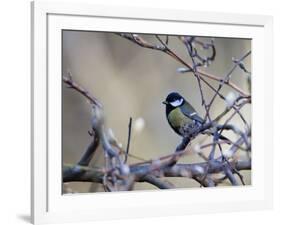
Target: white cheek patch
177	103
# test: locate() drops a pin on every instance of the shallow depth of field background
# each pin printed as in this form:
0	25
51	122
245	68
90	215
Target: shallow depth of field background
132	81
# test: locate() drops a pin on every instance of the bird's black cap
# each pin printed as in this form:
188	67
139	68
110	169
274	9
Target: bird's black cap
173	96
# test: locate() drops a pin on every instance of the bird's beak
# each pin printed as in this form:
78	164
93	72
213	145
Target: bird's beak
165	102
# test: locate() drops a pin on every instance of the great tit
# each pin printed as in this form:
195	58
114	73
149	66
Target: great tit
181	116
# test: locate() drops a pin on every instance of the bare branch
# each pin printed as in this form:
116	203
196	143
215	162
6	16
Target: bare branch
156	182
71	84
117	175
129	140
74	173
141	42
90	151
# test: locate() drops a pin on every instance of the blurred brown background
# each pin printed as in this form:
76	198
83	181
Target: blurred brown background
132	81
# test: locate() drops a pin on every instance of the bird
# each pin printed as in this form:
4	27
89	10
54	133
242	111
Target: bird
182	117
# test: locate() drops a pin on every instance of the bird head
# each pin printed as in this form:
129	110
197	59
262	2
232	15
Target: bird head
174	100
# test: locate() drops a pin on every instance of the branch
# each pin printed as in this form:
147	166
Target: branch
74	173
90	151
156	182
143	43
71	84
224	81
129	139
116	175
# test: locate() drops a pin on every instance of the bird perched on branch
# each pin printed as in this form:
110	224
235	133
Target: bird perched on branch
182	117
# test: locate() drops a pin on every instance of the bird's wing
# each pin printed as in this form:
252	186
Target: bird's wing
190	112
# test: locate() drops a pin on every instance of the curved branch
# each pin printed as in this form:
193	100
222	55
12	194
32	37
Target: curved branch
71	84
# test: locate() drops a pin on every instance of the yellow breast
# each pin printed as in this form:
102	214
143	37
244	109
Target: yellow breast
177	119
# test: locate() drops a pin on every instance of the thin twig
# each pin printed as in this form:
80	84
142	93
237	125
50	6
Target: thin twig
71	84
117	175
226	79
140	41
129	140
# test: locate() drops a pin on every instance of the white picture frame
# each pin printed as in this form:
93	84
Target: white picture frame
49	205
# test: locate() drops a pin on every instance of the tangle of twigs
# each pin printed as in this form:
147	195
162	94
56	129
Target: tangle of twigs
118	175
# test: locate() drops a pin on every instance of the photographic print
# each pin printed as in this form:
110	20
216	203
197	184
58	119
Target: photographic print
154	111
